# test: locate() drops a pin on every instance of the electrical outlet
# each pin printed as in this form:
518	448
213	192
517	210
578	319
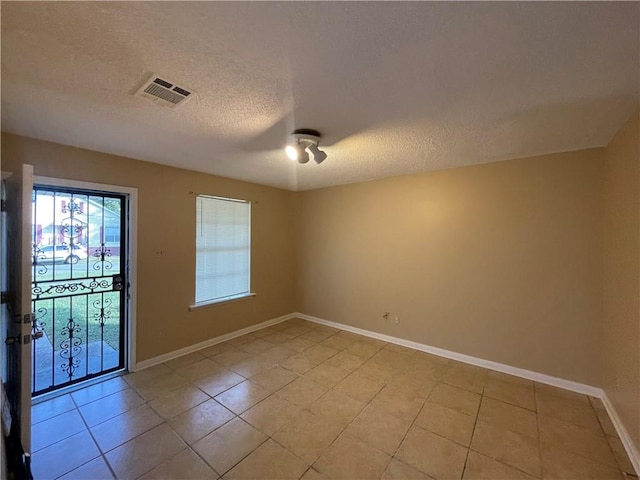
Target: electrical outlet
396	319
617	383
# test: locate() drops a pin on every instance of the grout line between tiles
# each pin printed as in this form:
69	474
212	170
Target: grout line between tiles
100	454
306	408
473	431
535	401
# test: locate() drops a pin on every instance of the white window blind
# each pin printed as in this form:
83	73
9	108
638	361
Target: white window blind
223	248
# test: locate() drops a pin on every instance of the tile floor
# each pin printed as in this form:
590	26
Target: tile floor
300	400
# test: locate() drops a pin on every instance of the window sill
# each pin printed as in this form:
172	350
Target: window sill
213	303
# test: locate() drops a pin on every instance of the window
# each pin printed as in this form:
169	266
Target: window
112	234
223	249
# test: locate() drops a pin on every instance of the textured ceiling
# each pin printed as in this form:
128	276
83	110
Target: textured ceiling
395	88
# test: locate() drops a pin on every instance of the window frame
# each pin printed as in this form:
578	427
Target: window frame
229	298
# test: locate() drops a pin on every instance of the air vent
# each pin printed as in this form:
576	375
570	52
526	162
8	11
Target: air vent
164	92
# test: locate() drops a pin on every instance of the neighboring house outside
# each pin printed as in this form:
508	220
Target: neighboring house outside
61	219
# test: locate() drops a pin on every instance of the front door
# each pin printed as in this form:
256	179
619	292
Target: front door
78	267
16	319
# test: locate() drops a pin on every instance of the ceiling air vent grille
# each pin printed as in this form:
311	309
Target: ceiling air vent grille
164	92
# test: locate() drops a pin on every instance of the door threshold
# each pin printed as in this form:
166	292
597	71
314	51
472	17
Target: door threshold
75	387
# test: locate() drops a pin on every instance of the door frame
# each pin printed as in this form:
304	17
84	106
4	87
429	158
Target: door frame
132	200
21	445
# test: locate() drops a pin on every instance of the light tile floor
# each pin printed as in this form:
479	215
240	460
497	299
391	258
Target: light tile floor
300	400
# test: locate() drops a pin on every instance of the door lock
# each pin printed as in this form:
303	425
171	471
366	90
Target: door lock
12	340
118	282
18	339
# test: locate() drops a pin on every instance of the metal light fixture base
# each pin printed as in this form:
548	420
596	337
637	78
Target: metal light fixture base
307	139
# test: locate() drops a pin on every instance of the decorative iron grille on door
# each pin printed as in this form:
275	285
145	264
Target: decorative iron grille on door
78	286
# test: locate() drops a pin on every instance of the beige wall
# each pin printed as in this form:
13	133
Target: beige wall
167	223
502	261
621	305
499	261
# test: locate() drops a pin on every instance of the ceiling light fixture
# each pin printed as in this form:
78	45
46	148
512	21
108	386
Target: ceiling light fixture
318	155
305	140
297	152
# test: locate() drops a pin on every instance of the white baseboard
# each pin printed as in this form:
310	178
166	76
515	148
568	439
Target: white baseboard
629	446
150	362
631	449
500	367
